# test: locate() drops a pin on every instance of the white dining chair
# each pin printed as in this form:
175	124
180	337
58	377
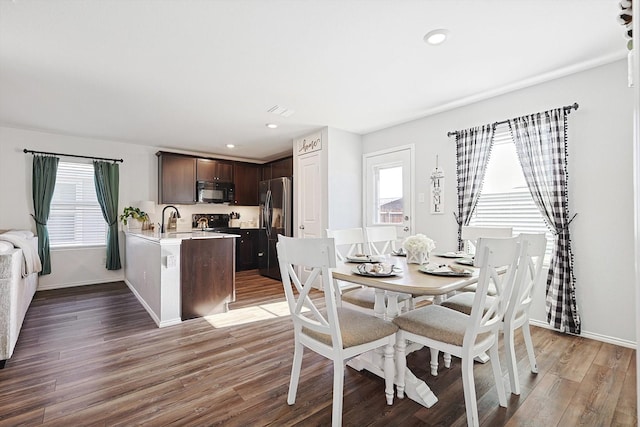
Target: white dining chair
336	333
348	242
381	240
471	234
467	336
530	273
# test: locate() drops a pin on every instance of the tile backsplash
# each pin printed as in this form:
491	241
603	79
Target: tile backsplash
250	214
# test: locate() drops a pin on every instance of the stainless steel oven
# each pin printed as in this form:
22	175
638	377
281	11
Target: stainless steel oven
209	221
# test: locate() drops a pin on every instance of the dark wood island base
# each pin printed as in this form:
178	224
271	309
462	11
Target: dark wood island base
207	271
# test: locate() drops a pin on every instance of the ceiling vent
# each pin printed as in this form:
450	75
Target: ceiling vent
281	111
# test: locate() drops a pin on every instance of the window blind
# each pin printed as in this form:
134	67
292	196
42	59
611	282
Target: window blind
75	218
505	200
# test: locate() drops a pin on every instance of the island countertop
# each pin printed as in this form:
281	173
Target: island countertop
177	236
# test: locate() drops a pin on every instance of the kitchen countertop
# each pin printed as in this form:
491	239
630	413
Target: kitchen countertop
177	236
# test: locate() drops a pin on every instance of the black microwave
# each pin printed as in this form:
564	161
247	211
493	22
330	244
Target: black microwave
215	192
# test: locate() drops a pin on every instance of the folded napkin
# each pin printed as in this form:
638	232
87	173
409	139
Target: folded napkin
377	268
451	268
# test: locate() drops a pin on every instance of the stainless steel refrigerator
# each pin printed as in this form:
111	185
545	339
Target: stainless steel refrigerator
276	209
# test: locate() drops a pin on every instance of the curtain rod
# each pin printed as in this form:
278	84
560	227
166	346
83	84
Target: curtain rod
73	155
566	108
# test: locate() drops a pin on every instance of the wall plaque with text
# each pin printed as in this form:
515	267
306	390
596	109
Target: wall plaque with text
309	144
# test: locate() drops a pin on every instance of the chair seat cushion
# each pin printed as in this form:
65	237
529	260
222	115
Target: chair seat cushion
356	328
463	302
436	322
472	288
366	297
362	297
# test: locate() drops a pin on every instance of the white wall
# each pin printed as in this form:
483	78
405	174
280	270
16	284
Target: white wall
600	185
138	181
344	180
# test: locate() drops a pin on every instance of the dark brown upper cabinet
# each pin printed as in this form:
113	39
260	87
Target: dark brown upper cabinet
246	177
278	168
176	178
282	167
214	170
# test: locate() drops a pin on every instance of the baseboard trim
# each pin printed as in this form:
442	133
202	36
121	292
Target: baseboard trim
154	316
169	323
143	303
74	284
591	335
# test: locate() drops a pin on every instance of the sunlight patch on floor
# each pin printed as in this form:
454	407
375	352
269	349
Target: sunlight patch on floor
241	316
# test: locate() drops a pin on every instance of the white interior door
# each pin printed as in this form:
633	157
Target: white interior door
388	189
308	202
309	196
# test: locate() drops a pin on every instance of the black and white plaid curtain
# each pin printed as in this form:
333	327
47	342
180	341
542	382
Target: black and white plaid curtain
473	147
541	143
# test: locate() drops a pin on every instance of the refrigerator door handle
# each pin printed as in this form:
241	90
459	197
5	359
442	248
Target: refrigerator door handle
285	209
263	220
268	209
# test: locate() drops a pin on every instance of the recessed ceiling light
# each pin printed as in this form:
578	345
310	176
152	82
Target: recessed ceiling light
436	37
271	125
230	145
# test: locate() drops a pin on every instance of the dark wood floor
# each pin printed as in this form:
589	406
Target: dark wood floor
92	356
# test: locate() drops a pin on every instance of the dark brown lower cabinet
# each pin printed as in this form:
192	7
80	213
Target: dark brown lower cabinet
247	250
207	276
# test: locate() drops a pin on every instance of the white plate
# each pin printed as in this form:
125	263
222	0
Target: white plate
374	259
452	255
442	271
465	261
393	273
365	258
360	270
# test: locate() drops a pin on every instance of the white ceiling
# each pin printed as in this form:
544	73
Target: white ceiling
196	75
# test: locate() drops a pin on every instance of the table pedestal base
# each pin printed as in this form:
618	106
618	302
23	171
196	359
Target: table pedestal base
415	389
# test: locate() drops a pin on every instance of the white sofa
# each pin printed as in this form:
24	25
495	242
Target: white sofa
18	283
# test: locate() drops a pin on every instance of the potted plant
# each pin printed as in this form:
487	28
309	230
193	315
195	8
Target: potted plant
133	218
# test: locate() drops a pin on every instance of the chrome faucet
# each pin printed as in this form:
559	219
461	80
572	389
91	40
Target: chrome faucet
165	208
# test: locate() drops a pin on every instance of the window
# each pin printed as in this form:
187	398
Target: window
389	203
505	200
75	218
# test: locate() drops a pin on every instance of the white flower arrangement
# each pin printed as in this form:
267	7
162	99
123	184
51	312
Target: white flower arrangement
419	243
418	248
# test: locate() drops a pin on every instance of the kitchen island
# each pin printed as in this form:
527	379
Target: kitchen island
180	275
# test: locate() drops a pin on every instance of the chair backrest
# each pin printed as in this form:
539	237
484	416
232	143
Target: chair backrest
498	261
348	241
471	234
318	256
381	240
529	274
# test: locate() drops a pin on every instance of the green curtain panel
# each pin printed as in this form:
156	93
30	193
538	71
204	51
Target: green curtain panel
42	186
107	179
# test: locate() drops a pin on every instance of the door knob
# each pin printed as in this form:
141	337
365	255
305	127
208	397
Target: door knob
406	229
301	227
